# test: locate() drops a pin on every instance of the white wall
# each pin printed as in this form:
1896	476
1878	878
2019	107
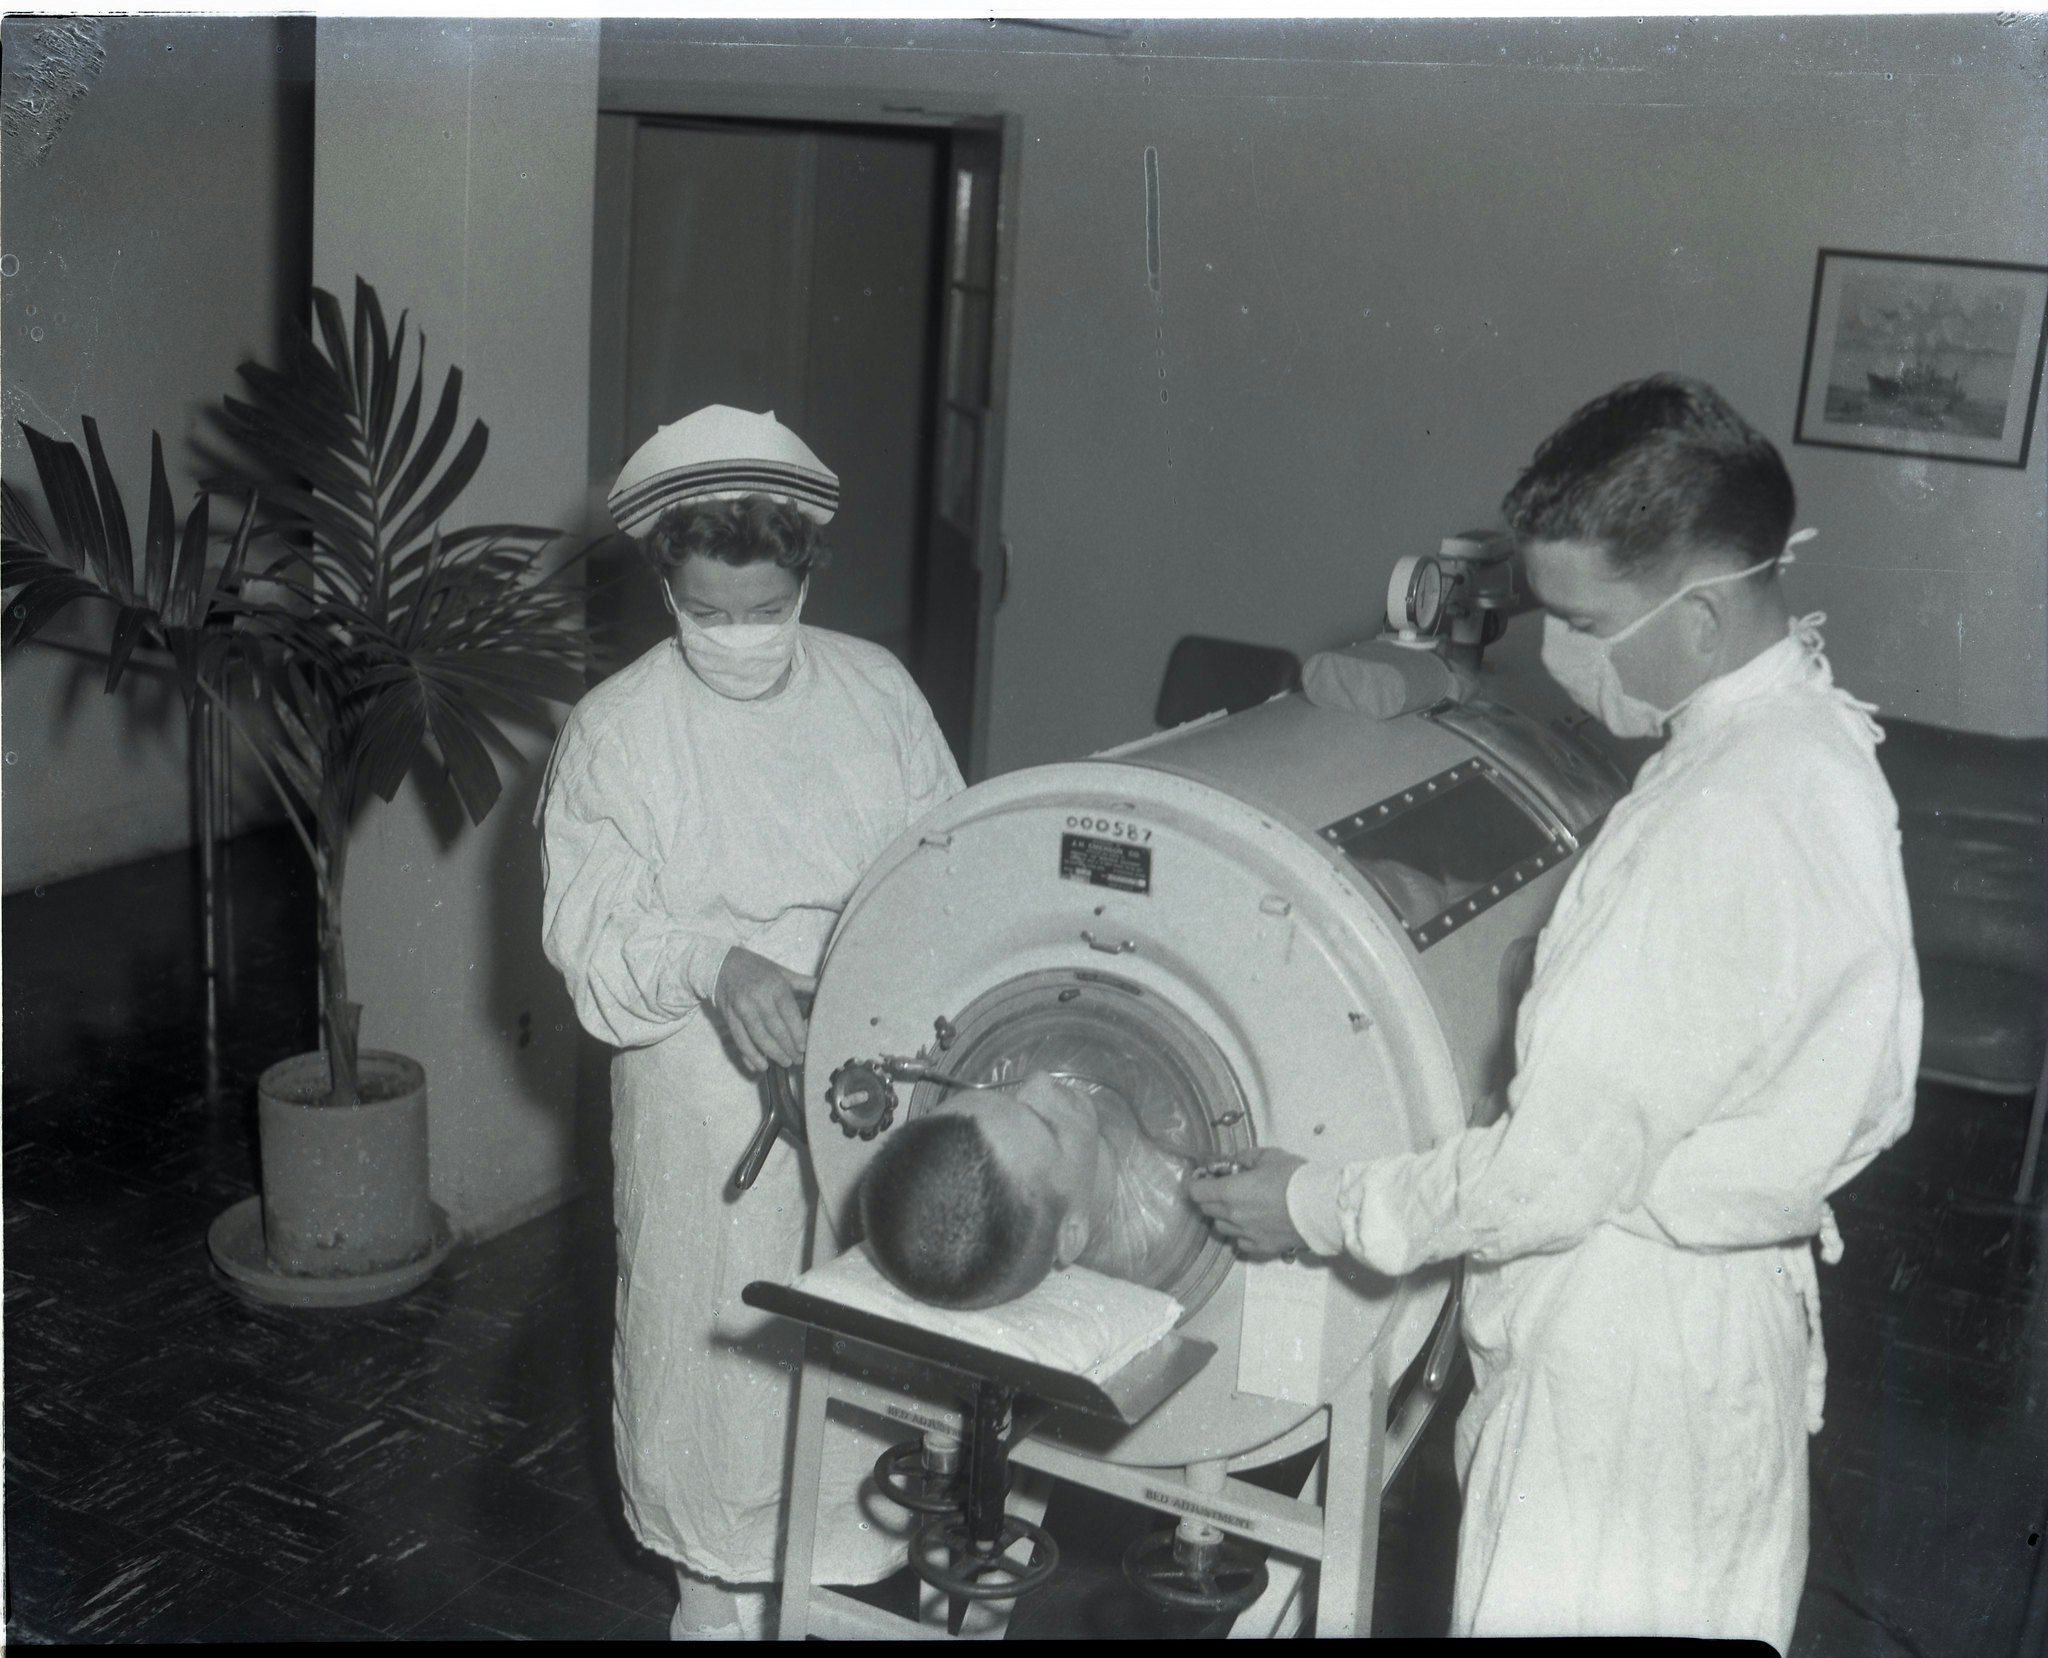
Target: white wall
452	169
1393	257
155	246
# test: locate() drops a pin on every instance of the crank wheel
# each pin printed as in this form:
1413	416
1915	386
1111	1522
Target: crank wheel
906	1482
943	1555
1224	1576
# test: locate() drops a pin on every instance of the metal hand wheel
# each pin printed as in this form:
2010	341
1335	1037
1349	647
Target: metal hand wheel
943	1554
909	1483
1224	1576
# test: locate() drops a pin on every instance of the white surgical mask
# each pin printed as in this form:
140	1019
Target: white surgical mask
741	660
1584	665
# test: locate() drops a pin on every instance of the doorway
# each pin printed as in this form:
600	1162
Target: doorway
840	276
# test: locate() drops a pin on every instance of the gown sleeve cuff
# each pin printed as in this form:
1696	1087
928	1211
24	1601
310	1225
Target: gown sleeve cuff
698	964
1313	1204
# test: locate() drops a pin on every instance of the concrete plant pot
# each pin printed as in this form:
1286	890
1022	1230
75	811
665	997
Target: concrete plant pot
345	1215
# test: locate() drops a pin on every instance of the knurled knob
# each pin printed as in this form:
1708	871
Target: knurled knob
861	1098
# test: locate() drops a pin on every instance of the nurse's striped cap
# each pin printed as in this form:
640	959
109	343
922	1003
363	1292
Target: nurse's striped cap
720	454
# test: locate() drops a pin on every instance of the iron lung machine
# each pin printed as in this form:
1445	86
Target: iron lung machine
1305	925
1299	926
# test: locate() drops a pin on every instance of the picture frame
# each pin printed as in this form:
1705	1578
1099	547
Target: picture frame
1912	355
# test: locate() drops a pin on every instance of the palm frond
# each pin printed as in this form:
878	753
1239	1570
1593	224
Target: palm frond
113	517
37	601
160	533
361	637
69	493
428	455
400	444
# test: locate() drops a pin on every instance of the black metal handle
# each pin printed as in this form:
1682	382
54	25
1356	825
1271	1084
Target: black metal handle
786	1093
758	1148
782	1117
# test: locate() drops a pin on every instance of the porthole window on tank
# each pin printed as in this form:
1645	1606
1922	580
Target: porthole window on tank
1122	1047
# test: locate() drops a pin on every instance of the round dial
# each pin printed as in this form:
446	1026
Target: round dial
1426	596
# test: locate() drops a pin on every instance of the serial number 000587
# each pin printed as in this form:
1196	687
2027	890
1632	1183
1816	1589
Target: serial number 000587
1114	827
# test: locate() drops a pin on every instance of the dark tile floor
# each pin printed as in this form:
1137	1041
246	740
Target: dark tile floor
183	1464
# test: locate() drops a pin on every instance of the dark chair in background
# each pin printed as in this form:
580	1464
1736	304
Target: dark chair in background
1205	676
1973	821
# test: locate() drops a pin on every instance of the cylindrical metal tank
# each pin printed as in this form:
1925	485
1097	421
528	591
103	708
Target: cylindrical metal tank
1299	927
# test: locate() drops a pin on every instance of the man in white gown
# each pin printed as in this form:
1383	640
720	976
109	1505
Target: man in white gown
1723	1029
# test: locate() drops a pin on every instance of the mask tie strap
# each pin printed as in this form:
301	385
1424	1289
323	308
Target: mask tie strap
1806	629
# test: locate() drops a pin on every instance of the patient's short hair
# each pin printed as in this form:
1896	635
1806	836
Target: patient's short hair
1653	471
945	1224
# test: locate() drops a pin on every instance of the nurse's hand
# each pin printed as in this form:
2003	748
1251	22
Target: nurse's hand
1249	1208
760	1005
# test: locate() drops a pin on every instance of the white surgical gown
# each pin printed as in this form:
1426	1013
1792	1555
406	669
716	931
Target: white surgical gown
1723	1028
679	823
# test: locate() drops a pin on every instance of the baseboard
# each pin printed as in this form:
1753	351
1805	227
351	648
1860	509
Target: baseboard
520	1214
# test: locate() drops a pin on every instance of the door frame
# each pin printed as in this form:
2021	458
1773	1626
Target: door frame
835	106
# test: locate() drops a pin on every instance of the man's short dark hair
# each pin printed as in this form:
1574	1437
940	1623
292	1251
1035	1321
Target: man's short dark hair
1652	471
944	1223
752	529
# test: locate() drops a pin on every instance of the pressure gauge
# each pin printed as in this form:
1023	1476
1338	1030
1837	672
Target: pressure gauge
1415	599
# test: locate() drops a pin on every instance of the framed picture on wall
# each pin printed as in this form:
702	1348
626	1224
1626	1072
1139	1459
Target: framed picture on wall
1934	357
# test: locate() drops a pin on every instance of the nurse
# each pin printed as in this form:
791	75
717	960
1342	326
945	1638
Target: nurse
1723	1029
708	810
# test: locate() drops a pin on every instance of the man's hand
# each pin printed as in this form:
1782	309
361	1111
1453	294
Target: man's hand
1249	1208
760	1005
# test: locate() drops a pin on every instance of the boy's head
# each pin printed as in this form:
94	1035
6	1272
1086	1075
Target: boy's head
1662	476
974	1204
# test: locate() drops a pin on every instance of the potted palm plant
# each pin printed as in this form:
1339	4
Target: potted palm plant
346	638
